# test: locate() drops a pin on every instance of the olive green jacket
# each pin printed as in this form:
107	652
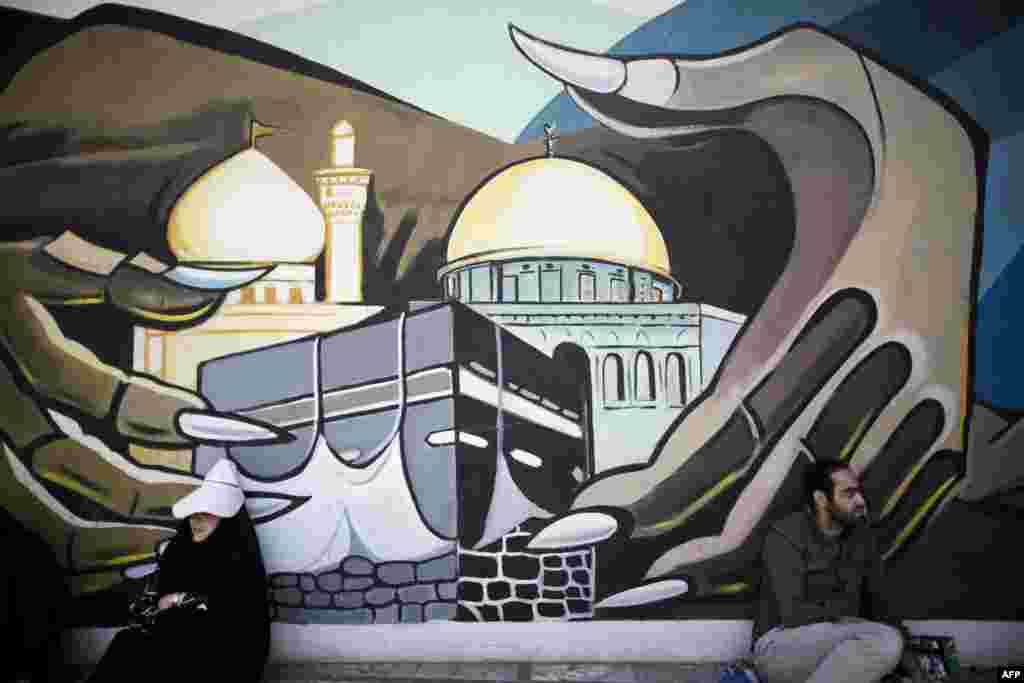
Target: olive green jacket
809	577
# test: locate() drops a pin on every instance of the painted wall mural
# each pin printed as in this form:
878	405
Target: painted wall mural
569	378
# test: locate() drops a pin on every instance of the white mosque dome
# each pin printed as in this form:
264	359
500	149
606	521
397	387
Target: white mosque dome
554	207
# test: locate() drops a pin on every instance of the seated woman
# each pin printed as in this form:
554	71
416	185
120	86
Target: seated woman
214	558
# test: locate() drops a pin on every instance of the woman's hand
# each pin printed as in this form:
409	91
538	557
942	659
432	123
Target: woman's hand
169	600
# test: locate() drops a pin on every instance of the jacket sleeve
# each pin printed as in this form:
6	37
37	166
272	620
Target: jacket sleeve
876	606
784	567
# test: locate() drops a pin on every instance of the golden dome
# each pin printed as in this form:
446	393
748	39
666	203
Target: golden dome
245	210
555	207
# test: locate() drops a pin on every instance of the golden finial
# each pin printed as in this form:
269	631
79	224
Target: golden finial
258	130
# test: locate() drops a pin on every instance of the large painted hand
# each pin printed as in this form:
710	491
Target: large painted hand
168	262
101	512
858	351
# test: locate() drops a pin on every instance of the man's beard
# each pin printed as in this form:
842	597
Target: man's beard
849	520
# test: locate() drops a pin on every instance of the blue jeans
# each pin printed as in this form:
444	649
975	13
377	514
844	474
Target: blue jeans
848	651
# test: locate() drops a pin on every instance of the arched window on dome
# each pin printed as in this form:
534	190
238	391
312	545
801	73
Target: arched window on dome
662	291
527	282
551	283
675	380
509	285
482	283
642	287
614	379
587	285
643	377
452	287
619	289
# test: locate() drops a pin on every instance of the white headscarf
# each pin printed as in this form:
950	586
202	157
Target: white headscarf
220	493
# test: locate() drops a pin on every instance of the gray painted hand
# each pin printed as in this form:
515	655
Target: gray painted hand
857	351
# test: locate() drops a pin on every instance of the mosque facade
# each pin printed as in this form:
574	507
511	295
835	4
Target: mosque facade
551	248
564	256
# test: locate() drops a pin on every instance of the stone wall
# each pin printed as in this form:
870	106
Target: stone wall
505	582
362	592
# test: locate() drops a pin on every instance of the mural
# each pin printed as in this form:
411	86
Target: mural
570	378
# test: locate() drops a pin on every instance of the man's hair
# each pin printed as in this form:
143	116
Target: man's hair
818	477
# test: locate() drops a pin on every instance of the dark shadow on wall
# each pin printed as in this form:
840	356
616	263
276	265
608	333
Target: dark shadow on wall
419	280
389	259
387	281
373	243
383	258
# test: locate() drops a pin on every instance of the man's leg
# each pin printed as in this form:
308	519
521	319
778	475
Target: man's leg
846	652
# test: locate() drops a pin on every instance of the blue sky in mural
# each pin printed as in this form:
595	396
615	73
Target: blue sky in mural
442	55
999	374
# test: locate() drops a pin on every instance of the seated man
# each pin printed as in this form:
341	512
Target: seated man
822	574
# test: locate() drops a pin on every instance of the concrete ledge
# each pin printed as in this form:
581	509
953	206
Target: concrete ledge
590	641
980	643
493	673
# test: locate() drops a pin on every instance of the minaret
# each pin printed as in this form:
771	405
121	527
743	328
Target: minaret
343	191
